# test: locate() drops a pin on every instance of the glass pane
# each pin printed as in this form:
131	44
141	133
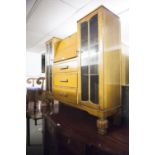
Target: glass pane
93	58
84	84
84	61
84	36
94	30
94	88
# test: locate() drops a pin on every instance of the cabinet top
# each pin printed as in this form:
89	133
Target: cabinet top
102	8
52	39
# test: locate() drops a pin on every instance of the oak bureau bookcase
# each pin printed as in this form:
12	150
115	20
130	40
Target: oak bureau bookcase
86	72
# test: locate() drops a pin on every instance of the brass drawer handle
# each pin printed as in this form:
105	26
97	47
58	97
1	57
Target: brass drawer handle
66	80
63	94
65	67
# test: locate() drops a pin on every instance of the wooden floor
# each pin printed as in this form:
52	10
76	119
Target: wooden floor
81	127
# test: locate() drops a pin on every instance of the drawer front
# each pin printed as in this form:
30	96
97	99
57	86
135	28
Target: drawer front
65	79
70	66
65	94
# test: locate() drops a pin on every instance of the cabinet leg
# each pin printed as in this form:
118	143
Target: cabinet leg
102	126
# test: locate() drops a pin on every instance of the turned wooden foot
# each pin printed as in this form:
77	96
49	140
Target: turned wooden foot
102	126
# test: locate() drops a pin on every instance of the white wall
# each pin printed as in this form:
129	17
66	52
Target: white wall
125	31
33	64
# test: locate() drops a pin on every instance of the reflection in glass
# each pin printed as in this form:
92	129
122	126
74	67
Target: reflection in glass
94	30
94	59
84	36
49	67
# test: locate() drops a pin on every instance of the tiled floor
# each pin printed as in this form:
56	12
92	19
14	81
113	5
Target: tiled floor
35	147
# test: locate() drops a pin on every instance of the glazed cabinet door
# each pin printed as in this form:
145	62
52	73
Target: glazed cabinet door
84	61
89	47
93	59
49	62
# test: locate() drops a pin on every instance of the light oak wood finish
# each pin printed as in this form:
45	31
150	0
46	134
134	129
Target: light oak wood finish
66	49
65	79
125	70
68	61
67	66
65	94
109	66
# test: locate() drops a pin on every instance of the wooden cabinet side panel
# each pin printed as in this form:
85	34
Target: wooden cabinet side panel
111	60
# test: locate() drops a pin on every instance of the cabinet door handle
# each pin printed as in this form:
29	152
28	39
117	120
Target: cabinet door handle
65	67
65	80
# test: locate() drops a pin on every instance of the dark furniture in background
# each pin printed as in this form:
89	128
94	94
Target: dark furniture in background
125	104
33	98
37	102
74	132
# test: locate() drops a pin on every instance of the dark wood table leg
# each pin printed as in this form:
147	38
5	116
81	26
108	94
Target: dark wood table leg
35	121
35	108
28	130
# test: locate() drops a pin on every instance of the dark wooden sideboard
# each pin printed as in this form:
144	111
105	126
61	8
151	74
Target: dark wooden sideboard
74	132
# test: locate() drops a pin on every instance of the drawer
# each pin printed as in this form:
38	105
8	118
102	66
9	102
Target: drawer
70	66
65	94
65	79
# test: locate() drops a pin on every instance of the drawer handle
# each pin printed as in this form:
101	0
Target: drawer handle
63	94
66	80
65	67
